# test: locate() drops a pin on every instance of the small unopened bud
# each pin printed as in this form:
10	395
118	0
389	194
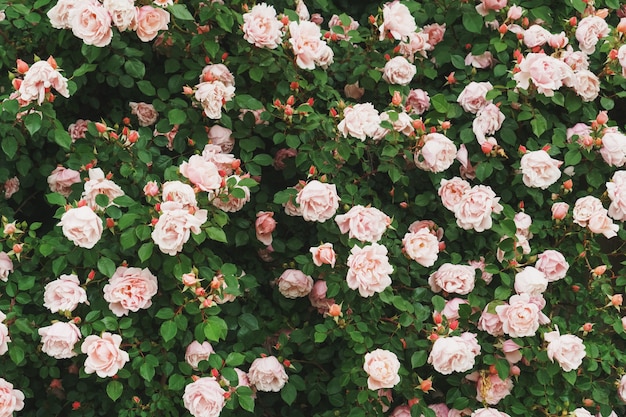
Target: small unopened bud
22	67
486	147
602	118
396	100
426	385
568	184
503	29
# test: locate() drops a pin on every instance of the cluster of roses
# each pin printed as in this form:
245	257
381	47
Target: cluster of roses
92	20
37	82
488	118
216	87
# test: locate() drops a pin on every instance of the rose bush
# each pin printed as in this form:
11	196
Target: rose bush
306	207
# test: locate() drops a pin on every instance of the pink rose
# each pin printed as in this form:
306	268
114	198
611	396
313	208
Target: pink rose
202	173
6	266
196	352
369	269
454	353
324	254
490	322
547	73
621	388
440	409
64	294
421	246
218	72
475	208
600	222
480	264
585	208
318	299
490	388
488	412
280	157
294	283
539	169
451	310
261	27
451	278
308	46
520	317
486	5
175	226
231	203
590	29
559	210
264	226
553	264
515	12
39	78
621	57
130	289
367	224
435	33
123	13
10	399
418	101
267	374
336	21
4	335
104	356
616	190
204	397
403	124
61	179
482	61
318	201
451	191
397	21
488	121
473	96
151	189
99	184
78	129
587	85
179	192
59	339
146	114
437	154
511	351
416	42
82	226
150	21
568	350
59	15
536	35
399	71
581	412
530	281
401	411
212	96
382	368
360	121
613	149
11	186
91	22
221	137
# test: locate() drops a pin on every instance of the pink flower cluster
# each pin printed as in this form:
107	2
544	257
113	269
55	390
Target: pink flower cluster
366	224
261	27
382	368
308	46
38	81
454	353
130	289
216	87
472	206
590	213
92	20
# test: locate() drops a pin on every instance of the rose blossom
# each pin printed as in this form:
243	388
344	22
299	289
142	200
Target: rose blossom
175	225
4	335
616	190
360	121
486	5
336	21
489	412
369	269
437	154
417	101
179	192
480	264
490	388
99	184
61	179
10	399
520	317
581	412
39	78
212	96
451	278
308	46
559	210
104	356
473	96
222	137
547	73
536	35
475	207
417	42
621	388
204	397
130	289
590	29
539	169
197	352
264	226
621	57
318	299
421	246
553	264
353	91
11	186
451	191
482	61
261	27
600	222
59	339
150	20
451	309
490	322
91	22
488	121
123	13
367	224
82	226
397	21
146	114
64	294
202	173
267	374
530	281
59	15
6	266
568	350
78	129
399	71
294	283
613	149
382	368
318	201
324	254
454	353
587	85
585	208
435	33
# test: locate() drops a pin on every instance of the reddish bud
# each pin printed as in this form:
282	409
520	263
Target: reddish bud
468	46
91	275
56	384
493	370
277	103
101	127
387	57
327	35
126	120
486	147
82	203
522	149
445	125
333	112
310	101
371	19
312	170
602	118
503	29
334	310
546	147
110	223
294	85
396	100
426	385
433	129
224	56
437	318
621	26
52	62
525	22
403	343
287	363
442	246
285	20
75	405
133	136
17	83
22	67
587	327
226	394
215	373
200	292
617	300
573	21
514	370
17	248
453	325
154	221
404	204
568	184
187	90
334	37
588	402
290	101
136	400
451	79
77	320
433	337
413	401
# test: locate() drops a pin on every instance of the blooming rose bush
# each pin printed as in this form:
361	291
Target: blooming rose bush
305	207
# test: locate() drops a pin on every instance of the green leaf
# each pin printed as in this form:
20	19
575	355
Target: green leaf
16	353
176	382
248	321
570	377
483	170
176	116
9	146
106	266
235	359
217	234
165	313
147	371
473	22
168	330
63	139
33	123
215	328
84	69
245	401
114	390
145	251
419	358
135	68
263	159
288	393
573	157
440	104
146	87
180	12
539	124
